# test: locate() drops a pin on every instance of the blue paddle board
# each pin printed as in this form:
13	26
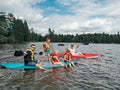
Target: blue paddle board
22	66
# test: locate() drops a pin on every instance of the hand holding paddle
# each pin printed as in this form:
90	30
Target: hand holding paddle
40	53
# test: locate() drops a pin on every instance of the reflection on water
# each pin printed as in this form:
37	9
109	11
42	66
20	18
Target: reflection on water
89	74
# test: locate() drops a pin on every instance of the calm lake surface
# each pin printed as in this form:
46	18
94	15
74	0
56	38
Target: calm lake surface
102	73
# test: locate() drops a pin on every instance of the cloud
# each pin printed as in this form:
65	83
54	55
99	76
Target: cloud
23	9
94	15
80	16
70	26
91	26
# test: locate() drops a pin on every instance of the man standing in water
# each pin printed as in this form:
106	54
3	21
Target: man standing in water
46	49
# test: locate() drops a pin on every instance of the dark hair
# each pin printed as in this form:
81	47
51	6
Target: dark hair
47	39
33	45
72	45
67	51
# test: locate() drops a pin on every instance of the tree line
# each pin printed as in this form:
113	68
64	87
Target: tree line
83	38
14	30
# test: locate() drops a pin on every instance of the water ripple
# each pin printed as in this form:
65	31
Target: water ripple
89	74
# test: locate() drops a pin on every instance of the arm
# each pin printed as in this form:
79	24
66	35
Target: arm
70	58
41	47
36	53
77	46
65	58
27	56
56	58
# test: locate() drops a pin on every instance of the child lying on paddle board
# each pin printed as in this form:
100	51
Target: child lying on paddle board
68	58
55	59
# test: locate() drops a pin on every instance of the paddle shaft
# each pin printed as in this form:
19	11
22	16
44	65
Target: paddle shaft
21	53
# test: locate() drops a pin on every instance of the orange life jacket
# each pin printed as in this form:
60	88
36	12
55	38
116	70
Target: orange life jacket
67	56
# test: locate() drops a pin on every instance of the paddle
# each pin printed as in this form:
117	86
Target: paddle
61	44
18	53
21	53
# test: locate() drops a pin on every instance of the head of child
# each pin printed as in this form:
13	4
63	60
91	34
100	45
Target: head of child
48	40
72	46
68	52
56	52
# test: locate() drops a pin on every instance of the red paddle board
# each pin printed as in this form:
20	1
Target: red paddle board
85	55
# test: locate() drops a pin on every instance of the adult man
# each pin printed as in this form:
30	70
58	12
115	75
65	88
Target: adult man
29	59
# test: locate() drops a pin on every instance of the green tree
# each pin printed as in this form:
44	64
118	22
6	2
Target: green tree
26	31
18	31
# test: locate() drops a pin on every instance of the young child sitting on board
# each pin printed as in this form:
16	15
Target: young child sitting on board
55	59
68	57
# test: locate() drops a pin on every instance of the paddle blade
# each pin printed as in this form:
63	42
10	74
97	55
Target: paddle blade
40	53
18	53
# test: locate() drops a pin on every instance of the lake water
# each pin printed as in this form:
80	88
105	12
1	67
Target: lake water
102	73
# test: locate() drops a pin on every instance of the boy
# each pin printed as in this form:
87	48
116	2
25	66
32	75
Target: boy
46	49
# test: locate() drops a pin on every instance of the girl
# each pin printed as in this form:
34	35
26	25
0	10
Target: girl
68	59
55	59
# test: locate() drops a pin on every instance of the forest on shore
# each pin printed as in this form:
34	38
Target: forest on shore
15	30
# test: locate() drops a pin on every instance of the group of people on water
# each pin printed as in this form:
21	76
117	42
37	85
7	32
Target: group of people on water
29	59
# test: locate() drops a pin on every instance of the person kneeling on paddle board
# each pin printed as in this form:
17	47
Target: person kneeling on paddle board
29	57
68	58
73	50
55	59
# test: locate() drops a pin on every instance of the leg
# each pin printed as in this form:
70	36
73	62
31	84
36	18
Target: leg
79	53
39	65
43	57
31	64
48	54
59	63
72	64
65	63
62	64
68	63
49	58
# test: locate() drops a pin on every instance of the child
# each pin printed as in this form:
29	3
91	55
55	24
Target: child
46	49
73	50
55	59
67	58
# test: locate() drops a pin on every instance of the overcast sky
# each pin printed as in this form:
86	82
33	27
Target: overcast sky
67	16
